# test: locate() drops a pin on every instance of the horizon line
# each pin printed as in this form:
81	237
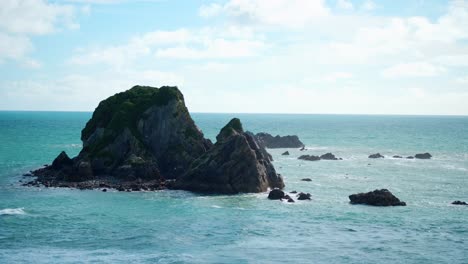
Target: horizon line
254	113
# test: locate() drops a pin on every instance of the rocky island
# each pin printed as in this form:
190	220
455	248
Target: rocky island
278	141
145	139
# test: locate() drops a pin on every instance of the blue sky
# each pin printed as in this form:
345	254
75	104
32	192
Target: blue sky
255	56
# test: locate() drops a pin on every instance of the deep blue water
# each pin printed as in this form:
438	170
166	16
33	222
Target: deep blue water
39	225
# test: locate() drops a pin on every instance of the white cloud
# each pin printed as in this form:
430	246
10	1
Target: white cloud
286	13
34	16
22	19
344	4
205	43
414	69
333	77
369	5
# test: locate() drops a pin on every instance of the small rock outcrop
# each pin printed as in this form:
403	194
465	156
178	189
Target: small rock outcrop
376	156
309	157
410	157
423	156
306	179
328	156
270	141
381	197
397	157
286	153
459	203
276	194
235	164
304	196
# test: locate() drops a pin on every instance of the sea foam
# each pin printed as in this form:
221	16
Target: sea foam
12	211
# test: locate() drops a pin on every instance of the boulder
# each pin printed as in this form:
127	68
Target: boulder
286	153
270	141
410	157
235	164
302	149
423	156
276	194
304	196
397	157
306	179
459	203
376	156
309	157
381	197
328	156
293	192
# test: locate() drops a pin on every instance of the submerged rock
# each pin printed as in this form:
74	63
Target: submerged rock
309	157
270	141
235	164
276	194
306	179
381	197
285	153
459	203
423	156
397	157
376	156
410	157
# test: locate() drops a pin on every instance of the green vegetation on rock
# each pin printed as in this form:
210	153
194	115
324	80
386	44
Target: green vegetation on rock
124	110
234	126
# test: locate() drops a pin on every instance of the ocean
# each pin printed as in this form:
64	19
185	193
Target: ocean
55	225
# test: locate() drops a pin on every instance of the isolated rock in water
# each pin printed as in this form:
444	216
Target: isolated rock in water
309	157
293	192
410	157
276	194
304	196
303	148
459	203
376	156
328	156
270	141
288	198
285	153
306	179
397	157
235	164
381	197
423	156
144	133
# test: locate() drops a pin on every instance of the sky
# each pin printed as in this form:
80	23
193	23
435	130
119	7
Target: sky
239	56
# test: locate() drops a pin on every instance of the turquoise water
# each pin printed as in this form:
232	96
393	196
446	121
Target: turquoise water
40	225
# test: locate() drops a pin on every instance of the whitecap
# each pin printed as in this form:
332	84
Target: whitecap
12	211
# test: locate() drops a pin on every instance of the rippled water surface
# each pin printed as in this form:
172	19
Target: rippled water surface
40	225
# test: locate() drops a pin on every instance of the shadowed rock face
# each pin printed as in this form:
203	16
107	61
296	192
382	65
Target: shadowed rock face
141	134
270	141
381	197
376	156
235	164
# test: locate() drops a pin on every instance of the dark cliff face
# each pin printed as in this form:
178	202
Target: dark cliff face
270	141
235	164
139	138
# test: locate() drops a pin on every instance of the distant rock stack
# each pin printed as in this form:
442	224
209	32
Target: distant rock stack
270	141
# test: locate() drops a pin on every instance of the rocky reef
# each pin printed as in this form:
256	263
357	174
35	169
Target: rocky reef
143	137
278	141
381	197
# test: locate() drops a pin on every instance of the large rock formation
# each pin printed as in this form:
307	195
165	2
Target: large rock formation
235	164
423	156
270	141
376	198
139	138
